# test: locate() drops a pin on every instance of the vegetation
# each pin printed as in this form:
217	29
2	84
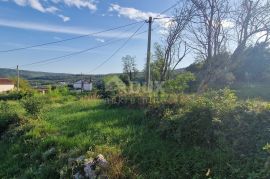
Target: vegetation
129	67
209	135
169	131
33	105
23	84
81	126
179	84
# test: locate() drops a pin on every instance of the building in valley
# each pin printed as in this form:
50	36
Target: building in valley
83	85
6	85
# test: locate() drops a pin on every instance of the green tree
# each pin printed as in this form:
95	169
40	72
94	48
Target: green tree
129	67
254	64
180	83
157	64
113	85
23	84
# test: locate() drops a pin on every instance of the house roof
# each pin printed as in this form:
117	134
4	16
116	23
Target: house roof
5	81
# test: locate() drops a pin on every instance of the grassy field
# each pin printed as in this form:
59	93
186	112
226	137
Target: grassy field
136	146
76	127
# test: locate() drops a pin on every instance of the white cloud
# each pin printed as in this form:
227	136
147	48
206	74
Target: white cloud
20	2
57	38
131	13
61	29
78	3
35	4
100	40
64	18
52	9
48	6
137	15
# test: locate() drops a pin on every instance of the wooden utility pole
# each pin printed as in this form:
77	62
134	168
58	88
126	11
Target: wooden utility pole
18	78
148	78
82	83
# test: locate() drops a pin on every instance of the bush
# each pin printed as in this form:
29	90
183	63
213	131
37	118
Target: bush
216	121
180	83
196	128
13	95
8	115
111	86
59	91
33	105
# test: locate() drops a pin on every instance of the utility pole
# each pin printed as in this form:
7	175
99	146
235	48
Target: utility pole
18	78
82	83
150	21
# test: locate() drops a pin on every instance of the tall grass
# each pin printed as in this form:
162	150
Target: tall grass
134	147
73	129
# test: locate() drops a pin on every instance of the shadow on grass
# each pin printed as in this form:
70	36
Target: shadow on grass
74	128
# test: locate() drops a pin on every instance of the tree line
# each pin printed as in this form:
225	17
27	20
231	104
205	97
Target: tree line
217	33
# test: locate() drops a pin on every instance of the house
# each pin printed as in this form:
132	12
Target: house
83	85
6	85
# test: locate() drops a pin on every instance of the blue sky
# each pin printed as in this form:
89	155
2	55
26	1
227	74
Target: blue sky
30	22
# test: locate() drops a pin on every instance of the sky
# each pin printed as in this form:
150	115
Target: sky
30	22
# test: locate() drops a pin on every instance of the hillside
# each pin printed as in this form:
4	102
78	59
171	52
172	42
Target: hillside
44	77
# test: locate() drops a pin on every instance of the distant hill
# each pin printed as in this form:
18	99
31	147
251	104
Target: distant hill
45	77
36	77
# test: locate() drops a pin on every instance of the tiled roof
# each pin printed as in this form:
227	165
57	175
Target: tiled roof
5	81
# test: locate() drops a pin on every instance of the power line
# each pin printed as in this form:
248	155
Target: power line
71	54
104	62
83	51
117	50
82	36
68	39
55	59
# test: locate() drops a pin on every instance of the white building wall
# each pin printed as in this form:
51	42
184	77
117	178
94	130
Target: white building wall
4	88
86	86
77	85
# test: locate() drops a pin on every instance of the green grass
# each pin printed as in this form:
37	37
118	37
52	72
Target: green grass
77	127
72	129
80	127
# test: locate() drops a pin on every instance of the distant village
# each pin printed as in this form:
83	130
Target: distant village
7	85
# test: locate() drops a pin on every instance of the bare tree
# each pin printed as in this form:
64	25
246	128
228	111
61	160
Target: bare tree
252	25
251	21
202	26
207	32
208	35
175	47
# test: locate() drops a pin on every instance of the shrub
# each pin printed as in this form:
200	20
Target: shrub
217	121
246	130
187	120
111	86
8	115
180	83
13	95
196	128
33	104
222	101
59	91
